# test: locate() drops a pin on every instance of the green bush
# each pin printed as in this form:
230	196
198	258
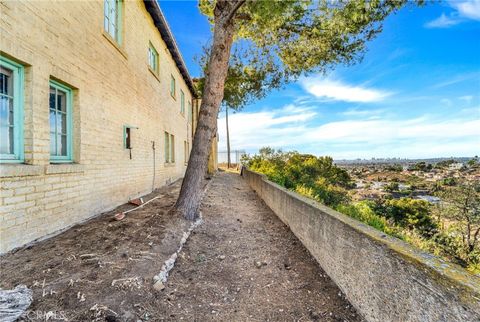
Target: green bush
363	212
412	214
317	177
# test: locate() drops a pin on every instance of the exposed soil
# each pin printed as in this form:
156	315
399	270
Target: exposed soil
241	264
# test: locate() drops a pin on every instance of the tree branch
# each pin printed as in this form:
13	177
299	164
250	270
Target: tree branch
235	9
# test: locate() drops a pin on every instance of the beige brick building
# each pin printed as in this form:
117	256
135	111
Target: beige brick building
96	108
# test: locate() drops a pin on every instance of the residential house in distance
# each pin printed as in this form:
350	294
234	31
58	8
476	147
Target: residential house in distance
96	108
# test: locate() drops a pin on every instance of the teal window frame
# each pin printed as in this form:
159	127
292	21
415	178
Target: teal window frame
172	86
182	102
190	112
167	147
172	148
130	127
153	59
115	29
68	158
18	72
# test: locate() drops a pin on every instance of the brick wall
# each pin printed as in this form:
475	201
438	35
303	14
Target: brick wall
113	87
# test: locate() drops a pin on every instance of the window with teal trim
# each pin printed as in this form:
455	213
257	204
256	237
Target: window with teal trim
60	122
11	111
112	19
172	86
167	147
153	59
182	102
190	112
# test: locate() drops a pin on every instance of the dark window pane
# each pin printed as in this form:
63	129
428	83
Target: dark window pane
52	98
61	101
7	81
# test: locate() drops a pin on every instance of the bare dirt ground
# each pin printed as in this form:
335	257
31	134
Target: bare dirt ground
241	264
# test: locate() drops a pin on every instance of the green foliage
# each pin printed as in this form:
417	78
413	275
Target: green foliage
308	36
392	187
444	164
462	206
315	177
278	41
473	162
421	166
363	211
448	181
394	167
411	214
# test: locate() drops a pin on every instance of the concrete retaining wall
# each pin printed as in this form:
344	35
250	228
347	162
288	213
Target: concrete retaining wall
383	277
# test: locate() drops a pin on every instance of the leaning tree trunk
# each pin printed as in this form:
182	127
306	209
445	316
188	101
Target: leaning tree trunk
191	192
229	161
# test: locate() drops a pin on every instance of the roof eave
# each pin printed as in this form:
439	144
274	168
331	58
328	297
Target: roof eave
161	23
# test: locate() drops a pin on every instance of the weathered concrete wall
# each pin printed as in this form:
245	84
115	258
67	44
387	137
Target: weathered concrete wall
112	87
383	277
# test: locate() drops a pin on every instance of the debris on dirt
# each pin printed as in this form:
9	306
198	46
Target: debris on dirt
119	216
169	263
14	302
128	283
101	310
136	202
259	264
221	257
159	286
80	297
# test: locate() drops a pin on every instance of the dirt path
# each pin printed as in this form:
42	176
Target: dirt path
244	264
241	264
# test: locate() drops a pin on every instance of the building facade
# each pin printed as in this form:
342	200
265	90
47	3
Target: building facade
96	109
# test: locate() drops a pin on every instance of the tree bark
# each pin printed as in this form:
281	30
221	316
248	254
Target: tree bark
229	161
191	192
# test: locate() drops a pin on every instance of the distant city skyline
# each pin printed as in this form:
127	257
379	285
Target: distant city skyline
416	94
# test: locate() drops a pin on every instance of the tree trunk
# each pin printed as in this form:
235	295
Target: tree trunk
229	161
191	192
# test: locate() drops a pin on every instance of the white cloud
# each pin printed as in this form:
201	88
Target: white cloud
272	128
443	22
464	10
339	91
292	128
365	113
468	9
466	98
455	79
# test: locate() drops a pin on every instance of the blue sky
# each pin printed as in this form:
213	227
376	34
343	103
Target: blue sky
415	94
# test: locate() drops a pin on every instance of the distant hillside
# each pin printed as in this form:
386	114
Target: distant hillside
401	161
